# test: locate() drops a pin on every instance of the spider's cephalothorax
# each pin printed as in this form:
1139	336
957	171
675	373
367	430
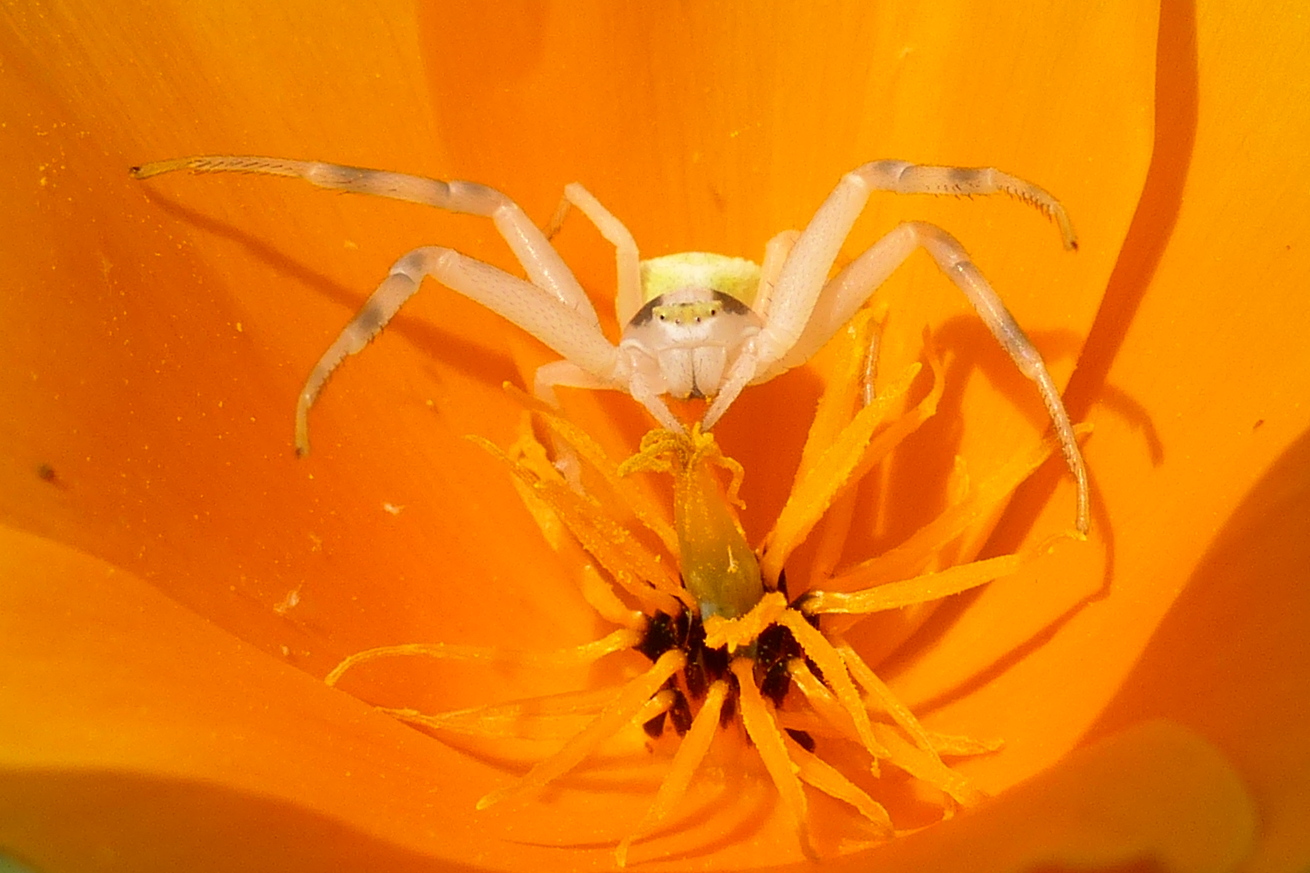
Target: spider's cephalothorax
696	325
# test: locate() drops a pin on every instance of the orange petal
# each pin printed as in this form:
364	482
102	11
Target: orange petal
1232	658
144	728
154	338
160	336
1156	794
1204	391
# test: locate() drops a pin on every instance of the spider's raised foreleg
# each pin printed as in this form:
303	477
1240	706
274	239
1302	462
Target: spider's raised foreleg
805	273
539	259
850	288
805	309
563	328
627	300
627	297
902	177
776	252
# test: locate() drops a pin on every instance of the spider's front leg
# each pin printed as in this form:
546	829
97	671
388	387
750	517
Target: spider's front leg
853	286
552	306
806	310
745	366
533	250
790	336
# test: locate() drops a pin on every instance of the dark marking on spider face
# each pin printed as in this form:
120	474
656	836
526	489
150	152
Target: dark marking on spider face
717	302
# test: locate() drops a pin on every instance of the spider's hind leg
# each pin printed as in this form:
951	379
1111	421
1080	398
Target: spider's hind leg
533	309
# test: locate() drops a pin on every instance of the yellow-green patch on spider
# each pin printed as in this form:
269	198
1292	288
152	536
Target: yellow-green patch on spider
732	655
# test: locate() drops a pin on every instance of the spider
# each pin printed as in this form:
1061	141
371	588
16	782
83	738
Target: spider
688	331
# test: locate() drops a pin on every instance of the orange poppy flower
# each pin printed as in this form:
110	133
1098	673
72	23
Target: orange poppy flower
176	583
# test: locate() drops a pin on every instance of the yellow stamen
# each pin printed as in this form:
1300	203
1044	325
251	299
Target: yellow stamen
757	716
920	763
955	746
600	596
695	745
920	589
661	703
827	708
736	633
526	451
883	697
849	388
632	494
549	717
828	779
830	664
841	393
618	641
621	710
927	766
909	558
638	571
854	453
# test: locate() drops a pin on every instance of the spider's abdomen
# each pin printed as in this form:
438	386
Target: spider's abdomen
736	277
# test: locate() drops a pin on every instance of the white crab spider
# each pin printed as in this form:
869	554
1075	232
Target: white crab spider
686	332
